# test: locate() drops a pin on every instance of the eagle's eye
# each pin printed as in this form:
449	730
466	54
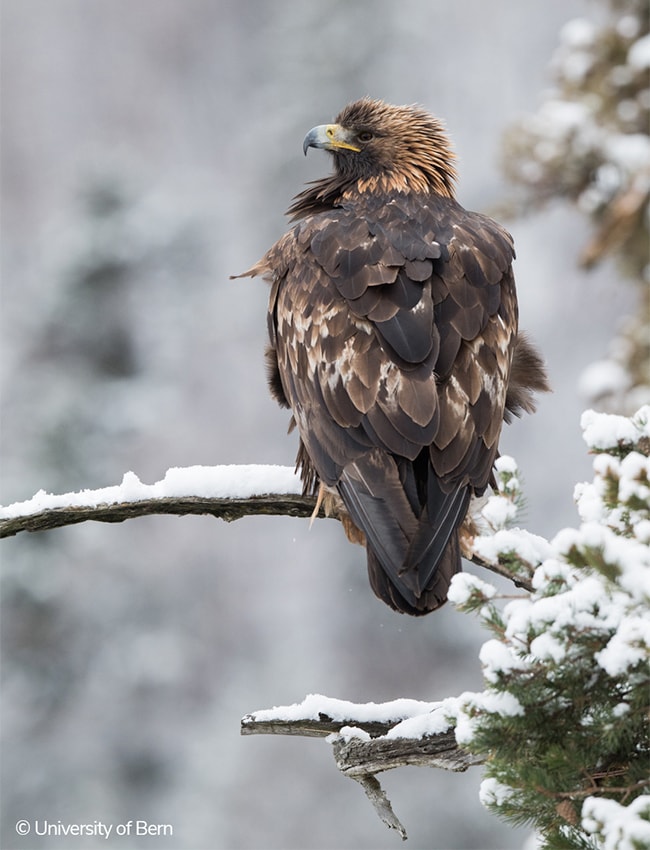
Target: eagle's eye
365	136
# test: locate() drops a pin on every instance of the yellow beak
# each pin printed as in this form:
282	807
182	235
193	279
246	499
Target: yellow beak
330	137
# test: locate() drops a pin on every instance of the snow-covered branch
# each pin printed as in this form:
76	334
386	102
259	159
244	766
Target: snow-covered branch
228	492
370	738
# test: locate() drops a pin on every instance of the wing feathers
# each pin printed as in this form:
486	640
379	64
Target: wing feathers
393	323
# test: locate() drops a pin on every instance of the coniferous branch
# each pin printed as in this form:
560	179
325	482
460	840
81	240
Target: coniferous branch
563	720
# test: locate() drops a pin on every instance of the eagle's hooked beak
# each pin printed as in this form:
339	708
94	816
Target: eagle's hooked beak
331	137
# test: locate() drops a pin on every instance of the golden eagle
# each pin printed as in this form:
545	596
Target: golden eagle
393	340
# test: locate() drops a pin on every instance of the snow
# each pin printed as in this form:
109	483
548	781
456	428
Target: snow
552	571
606	430
603	378
588	498
639	54
574	56
492	702
464	586
494	793
578	33
642	531
618	827
531	548
498	658
412	718
583	606
349	733
628	648
634	468
506	464
629	475
629	557
487	702
548	648
558	118
628	26
630	151
315	705
433	722
499	511
208	482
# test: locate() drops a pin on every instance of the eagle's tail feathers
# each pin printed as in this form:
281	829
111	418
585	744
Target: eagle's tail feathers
432	598
433	535
411	558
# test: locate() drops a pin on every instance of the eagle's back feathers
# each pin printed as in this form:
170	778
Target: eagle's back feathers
394	341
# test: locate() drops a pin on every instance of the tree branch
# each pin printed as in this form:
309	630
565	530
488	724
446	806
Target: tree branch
380	802
226	508
361	747
356	757
91	505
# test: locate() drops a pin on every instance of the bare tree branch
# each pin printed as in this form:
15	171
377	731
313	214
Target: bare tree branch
381	804
228	509
310	727
356	757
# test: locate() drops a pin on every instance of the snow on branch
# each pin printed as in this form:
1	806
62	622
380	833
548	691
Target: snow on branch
228	492
369	738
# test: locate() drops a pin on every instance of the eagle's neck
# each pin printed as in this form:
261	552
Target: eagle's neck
329	192
319	196
407	180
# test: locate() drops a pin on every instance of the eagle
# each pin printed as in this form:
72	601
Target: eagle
394	341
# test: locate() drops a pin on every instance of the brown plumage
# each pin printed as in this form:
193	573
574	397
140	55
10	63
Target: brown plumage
393	340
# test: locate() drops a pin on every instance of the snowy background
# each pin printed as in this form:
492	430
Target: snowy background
149	150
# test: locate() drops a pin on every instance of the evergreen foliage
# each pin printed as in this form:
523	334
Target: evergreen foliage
563	720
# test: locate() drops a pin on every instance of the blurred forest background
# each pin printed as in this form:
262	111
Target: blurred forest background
149	149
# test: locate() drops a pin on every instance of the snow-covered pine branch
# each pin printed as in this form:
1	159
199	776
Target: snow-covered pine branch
563	720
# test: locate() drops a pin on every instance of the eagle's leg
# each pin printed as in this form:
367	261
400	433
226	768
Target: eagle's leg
332	505
320	498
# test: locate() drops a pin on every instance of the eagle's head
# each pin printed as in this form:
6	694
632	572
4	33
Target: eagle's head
380	146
